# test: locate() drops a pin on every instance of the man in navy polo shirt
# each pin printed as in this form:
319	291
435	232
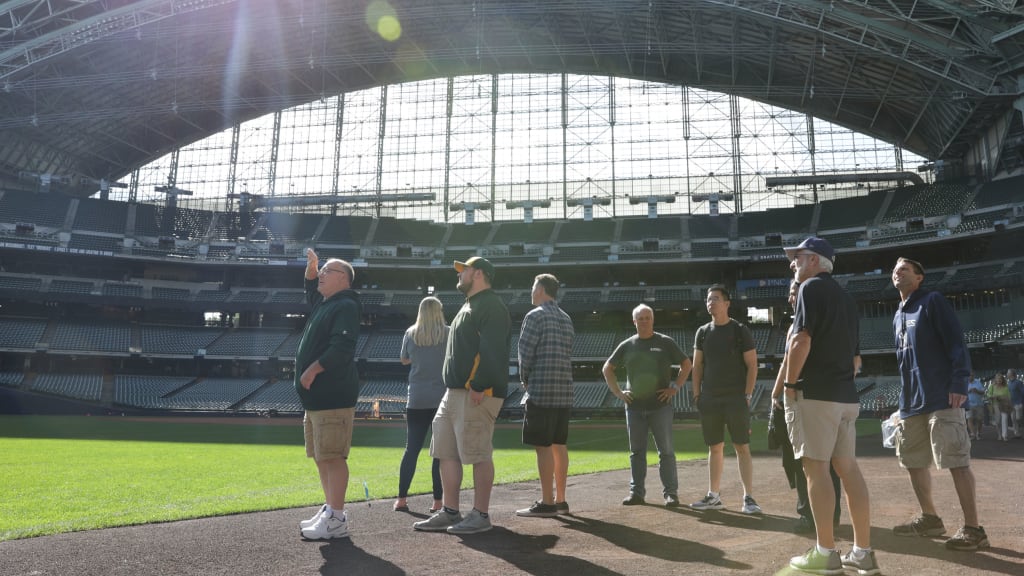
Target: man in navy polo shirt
822	407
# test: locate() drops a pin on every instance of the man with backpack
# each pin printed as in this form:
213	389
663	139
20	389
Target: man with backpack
724	373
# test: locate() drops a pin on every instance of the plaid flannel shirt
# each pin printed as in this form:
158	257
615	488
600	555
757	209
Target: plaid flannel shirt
545	350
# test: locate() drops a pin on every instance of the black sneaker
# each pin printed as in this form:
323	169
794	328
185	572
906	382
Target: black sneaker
804	525
671	501
967	539
924	525
563	507
633	500
539	510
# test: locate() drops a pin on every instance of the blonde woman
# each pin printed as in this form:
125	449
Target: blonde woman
423	350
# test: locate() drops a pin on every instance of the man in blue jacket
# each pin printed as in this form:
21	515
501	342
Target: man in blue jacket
934	367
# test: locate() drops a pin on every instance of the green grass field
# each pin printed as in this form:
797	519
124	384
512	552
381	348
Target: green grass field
63	473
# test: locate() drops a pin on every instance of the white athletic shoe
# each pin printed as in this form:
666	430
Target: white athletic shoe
333	526
308	523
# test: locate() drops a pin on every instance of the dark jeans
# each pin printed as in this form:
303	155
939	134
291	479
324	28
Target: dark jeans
417	424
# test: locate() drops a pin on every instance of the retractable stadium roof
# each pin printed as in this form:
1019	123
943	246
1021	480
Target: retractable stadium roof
94	89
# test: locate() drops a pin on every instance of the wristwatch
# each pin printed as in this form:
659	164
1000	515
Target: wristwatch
750	397
789	385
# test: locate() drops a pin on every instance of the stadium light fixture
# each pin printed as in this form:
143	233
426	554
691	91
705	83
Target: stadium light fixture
588	204
528	206
470	209
652	202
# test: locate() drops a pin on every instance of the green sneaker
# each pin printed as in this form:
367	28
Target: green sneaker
813	562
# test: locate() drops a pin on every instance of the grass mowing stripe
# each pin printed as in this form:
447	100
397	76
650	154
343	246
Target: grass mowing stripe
63	474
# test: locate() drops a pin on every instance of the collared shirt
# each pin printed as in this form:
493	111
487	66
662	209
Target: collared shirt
545	350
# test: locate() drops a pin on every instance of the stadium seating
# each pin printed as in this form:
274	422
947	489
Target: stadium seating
122	290
638	229
280	396
589	395
468	235
101	216
346	230
391	231
709	250
247	342
384	346
584	231
211	394
92	337
929	200
851	212
173	294
48	210
21	333
176	340
146	391
11	379
98	243
20	283
532	233
82	386
1000	192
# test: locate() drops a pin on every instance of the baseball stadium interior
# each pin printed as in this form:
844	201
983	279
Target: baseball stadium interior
158	188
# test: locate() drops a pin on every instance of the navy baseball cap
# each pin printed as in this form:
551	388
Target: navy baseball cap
819	246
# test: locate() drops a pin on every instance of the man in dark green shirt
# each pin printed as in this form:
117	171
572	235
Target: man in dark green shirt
328	386
476	376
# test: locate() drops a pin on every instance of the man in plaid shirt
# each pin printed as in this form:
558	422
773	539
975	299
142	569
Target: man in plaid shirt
545	368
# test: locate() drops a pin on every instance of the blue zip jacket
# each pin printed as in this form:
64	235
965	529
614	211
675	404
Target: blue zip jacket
931	353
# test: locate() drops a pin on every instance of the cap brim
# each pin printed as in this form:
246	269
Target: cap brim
459	266
791	252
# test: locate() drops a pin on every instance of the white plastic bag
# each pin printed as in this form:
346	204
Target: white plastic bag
889	430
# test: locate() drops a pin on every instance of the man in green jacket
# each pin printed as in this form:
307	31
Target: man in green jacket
328	386
476	376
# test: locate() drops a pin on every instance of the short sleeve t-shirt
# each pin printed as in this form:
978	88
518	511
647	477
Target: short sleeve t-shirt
648	364
725	372
829	315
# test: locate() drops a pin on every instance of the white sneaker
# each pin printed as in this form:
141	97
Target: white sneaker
473	523
333	526
750	506
311	521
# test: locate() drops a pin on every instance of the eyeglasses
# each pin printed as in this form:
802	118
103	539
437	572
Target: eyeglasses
799	254
326	269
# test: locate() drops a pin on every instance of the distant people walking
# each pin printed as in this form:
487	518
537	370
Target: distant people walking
648	358
545	369
822	406
999	396
791	464
934	366
328	386
476	377
724	374
423	350
975	407
1017	400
